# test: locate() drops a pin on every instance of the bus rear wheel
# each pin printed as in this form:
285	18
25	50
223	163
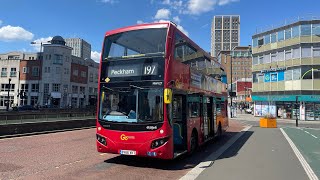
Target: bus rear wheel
193	142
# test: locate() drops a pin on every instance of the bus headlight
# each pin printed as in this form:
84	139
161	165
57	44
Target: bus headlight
159	142
102	140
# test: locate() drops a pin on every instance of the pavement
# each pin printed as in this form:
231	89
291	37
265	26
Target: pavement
266	153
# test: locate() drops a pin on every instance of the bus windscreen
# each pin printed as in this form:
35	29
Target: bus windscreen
135	43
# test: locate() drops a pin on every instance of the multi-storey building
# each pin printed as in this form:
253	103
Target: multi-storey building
81	48
225	33
286	69
53	77
238	62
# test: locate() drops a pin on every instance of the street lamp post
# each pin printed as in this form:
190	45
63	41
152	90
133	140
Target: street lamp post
8	97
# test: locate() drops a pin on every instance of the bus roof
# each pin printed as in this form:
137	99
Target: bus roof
165	24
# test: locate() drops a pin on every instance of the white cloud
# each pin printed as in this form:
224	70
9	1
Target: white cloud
176	19
37	42
95	55
140	22
11	33
167	2
109	1
183	30
197	7
162	14
178	26
224	2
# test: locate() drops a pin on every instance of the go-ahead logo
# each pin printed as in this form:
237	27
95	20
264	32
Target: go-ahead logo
123	137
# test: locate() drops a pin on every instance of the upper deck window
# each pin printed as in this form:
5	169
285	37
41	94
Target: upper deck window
137	42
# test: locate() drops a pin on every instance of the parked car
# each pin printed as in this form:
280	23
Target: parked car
249	110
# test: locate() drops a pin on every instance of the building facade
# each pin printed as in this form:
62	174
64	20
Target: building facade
53	78
225	33
238	62
80	47
286	71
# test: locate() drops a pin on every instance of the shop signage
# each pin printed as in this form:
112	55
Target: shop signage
274	69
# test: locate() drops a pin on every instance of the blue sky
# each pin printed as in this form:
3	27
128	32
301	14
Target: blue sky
23	21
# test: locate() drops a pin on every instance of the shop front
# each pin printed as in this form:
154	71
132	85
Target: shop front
308	106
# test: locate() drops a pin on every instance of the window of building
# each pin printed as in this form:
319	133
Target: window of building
316	52
255	42
273	37
280	56
288	75
13	72
274	57
255	60
35	71
305	30
260	78
91	77
267	39
260	42
56	87
305	52
4	99
306	72
288	33
57	59
295	31
316	73
261	60
288	54
296	73
3	72
83	74
316	29
296	53
34	87
25	70
82	90
280	35
58	70
75	72
34	100
25	87
5	87
96	78
75	89
266	58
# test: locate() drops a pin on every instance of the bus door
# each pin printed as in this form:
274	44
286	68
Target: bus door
179	116
205	116
213	116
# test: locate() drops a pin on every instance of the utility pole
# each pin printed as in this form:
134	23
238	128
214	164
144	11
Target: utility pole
296	107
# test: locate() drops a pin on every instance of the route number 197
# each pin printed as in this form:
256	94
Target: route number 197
149	70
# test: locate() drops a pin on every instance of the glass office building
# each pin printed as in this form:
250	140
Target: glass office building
286	70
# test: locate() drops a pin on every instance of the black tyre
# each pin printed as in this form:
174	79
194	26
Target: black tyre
193	142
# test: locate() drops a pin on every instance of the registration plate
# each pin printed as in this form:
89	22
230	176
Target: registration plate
128	152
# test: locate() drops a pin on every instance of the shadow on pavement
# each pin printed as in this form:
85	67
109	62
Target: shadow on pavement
234	149
185	161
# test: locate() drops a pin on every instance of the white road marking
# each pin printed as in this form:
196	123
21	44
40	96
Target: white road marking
196	171
311	134
304	163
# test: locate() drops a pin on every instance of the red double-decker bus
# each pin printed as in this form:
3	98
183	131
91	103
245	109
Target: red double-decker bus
159	95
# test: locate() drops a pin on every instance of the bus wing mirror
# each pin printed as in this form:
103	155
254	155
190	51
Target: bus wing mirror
167	96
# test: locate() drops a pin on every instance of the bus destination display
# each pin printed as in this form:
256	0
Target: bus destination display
133	70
